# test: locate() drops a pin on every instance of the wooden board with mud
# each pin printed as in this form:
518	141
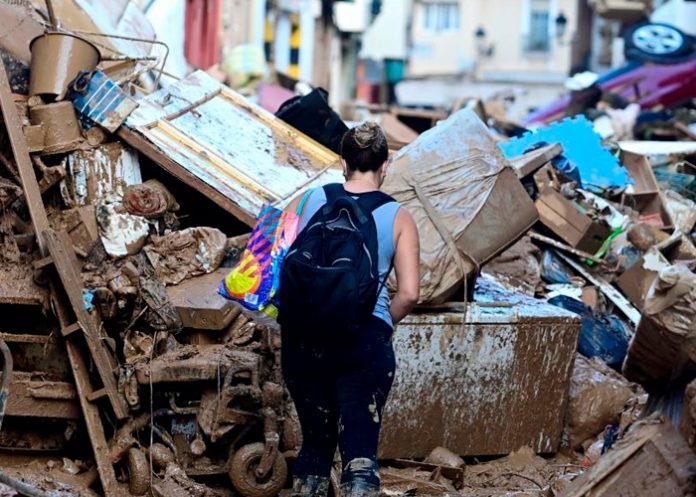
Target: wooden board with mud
238	154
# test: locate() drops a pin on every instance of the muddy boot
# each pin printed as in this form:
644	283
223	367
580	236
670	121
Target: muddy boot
360	478
310	486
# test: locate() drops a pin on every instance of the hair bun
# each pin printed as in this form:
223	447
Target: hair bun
368	134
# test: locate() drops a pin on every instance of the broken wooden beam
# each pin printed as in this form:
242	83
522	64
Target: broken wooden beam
22	158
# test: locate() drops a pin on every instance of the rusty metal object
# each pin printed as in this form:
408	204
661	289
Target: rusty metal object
36	137
61	128
243	475
56	59
6	377
487	387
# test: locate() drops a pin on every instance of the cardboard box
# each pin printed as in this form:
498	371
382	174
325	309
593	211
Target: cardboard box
563	217
651	460
645	195
636	280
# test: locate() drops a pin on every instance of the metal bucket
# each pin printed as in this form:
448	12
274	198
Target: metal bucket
62	129
56	59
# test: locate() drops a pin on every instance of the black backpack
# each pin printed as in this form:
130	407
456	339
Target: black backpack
329	281
312	115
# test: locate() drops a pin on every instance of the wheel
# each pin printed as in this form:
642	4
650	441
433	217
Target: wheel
138	472
242	472
656	42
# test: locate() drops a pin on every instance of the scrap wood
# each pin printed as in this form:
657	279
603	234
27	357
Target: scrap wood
449	472
528	163
22	158
566	248
607	289
660	438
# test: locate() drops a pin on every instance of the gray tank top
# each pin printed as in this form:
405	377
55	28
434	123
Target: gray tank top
384	217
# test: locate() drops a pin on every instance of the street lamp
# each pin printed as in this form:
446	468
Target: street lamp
561	24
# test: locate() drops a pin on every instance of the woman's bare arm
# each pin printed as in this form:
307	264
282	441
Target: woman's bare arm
406	265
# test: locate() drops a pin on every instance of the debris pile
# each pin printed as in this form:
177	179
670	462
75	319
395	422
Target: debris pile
551	260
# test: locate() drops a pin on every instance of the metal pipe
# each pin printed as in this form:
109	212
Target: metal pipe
25	488
51	15
6	377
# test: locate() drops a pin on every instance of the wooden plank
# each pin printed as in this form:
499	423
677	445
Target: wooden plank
97	394
22	338
653	459
21	155
140	143
90	411
71	329
566	248
68	268
606	288
526	164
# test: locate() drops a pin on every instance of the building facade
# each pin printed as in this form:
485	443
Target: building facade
538	41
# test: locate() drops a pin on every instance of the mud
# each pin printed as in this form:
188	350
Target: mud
62	131
56	60
597	396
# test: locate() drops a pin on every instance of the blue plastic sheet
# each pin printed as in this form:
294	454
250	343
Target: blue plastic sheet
603	336
581	146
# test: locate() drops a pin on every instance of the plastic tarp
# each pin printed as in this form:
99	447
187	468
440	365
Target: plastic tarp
455	167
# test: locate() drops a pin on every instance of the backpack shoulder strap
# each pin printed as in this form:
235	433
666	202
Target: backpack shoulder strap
374	200
333	191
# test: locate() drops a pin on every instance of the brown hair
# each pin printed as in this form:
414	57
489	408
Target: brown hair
364	148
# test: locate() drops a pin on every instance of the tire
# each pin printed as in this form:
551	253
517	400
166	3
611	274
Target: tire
138	472
241	471
656	42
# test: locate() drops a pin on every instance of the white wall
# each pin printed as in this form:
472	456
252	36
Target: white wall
387	36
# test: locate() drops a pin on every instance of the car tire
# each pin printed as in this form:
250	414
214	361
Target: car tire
657	42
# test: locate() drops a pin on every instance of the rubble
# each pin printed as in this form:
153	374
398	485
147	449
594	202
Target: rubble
146	381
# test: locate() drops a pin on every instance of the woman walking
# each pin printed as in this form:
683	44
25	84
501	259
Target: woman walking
337	317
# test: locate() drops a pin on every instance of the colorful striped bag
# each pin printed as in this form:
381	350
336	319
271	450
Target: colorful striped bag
253	282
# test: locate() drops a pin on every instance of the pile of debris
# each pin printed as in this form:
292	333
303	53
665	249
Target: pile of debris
549	261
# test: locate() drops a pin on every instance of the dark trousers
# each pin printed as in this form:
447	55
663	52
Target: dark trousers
340	389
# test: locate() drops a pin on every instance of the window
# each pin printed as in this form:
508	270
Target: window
539	39
439	17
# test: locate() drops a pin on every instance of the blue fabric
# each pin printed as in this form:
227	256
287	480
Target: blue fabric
384	217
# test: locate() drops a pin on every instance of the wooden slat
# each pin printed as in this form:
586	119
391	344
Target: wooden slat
606	288
97	394
137	141
90	411
71	329
528	163
68	268
23	159
42	263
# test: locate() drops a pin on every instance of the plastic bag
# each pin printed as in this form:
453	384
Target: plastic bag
554	270
253	282
603	336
